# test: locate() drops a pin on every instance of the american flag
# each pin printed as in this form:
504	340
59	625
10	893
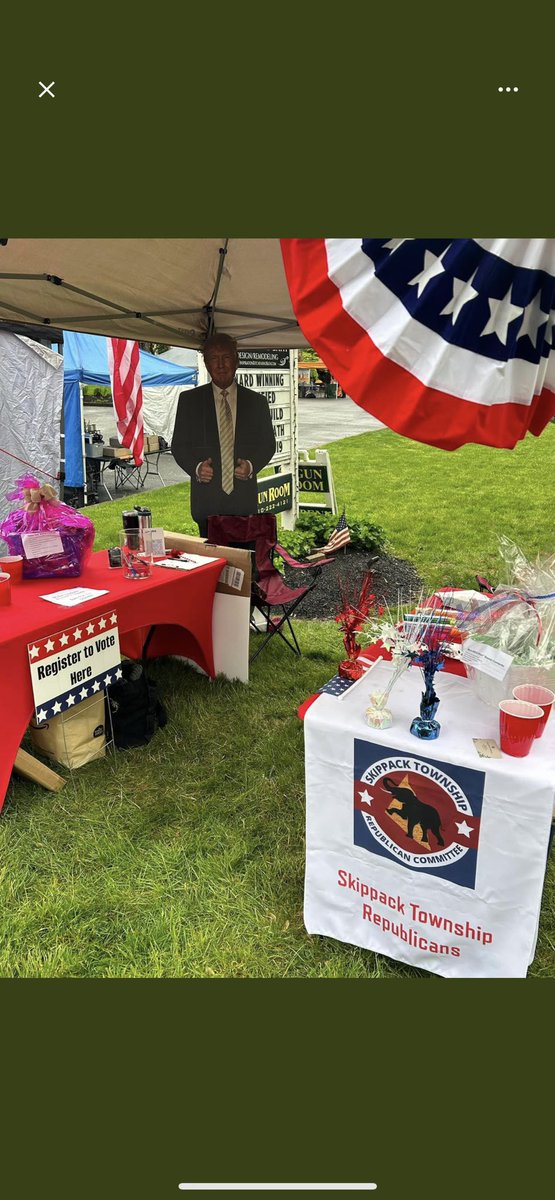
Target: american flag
339	537
127	393
444	340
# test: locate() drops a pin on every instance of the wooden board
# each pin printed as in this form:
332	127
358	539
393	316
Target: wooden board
32	768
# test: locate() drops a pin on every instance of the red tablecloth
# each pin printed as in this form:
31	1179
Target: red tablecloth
178	603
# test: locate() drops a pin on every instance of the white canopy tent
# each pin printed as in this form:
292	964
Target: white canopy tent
31	395
160	403
173	290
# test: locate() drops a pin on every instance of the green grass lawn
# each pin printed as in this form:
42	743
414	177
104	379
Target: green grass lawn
186	858
443	511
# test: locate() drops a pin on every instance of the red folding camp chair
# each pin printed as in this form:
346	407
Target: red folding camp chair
269	591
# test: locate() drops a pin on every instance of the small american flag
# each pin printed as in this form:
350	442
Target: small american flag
339	537
127	393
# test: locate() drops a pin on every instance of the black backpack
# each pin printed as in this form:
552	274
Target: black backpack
134	707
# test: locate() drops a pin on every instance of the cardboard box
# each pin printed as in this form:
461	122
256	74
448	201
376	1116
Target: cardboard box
232	603
116	452
234	583
151	443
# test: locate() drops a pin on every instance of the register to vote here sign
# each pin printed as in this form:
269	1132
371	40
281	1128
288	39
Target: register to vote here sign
71	665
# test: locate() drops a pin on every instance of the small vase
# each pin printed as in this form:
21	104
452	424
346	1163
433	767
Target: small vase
378	717
424	726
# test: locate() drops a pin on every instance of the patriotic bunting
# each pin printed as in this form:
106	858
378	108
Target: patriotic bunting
446	341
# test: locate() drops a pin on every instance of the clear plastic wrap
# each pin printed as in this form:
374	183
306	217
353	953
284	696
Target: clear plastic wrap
520	619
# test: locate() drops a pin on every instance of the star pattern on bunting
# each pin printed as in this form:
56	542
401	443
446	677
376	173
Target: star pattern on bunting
478	300
502	312
463	293
534	317
433	266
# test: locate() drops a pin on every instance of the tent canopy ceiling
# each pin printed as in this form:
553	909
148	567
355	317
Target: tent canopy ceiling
152	289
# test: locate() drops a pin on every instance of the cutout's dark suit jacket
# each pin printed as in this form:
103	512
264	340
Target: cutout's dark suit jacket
195	438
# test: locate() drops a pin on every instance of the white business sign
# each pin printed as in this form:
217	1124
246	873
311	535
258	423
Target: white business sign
272	373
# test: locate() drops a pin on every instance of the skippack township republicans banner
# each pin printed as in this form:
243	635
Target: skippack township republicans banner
424	851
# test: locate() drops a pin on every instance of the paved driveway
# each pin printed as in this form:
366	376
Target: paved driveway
320	421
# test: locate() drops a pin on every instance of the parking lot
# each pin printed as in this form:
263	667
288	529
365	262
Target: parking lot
320	421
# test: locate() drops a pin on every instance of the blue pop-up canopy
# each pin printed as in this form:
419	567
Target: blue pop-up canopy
86	361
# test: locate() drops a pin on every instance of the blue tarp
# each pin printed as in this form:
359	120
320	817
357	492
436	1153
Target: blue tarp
86	361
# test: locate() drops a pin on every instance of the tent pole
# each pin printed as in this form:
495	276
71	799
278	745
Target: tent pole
211	306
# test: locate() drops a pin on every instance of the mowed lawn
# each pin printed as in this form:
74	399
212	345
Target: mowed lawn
186	858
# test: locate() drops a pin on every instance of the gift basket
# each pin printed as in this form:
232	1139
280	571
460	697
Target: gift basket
518	618
40	512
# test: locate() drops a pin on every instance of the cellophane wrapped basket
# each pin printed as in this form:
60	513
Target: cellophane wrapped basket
520	619
40	511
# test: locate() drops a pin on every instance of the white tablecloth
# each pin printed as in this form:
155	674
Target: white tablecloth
466	908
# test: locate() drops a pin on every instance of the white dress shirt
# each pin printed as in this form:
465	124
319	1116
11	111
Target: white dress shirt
231	396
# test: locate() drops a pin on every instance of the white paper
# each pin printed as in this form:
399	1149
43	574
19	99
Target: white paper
486	658
71	596
155	542
187	563
38	545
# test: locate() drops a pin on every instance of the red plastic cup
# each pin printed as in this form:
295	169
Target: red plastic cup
12	565
5	590
534	694
518	725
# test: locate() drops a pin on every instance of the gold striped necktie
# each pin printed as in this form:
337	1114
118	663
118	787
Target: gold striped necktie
226	445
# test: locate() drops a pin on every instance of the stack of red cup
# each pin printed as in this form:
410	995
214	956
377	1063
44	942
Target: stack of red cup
532	693
519	722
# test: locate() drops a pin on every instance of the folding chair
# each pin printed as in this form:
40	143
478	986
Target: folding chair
126	471
269	590
151	459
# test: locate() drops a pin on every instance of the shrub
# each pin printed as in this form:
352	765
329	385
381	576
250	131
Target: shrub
314	529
